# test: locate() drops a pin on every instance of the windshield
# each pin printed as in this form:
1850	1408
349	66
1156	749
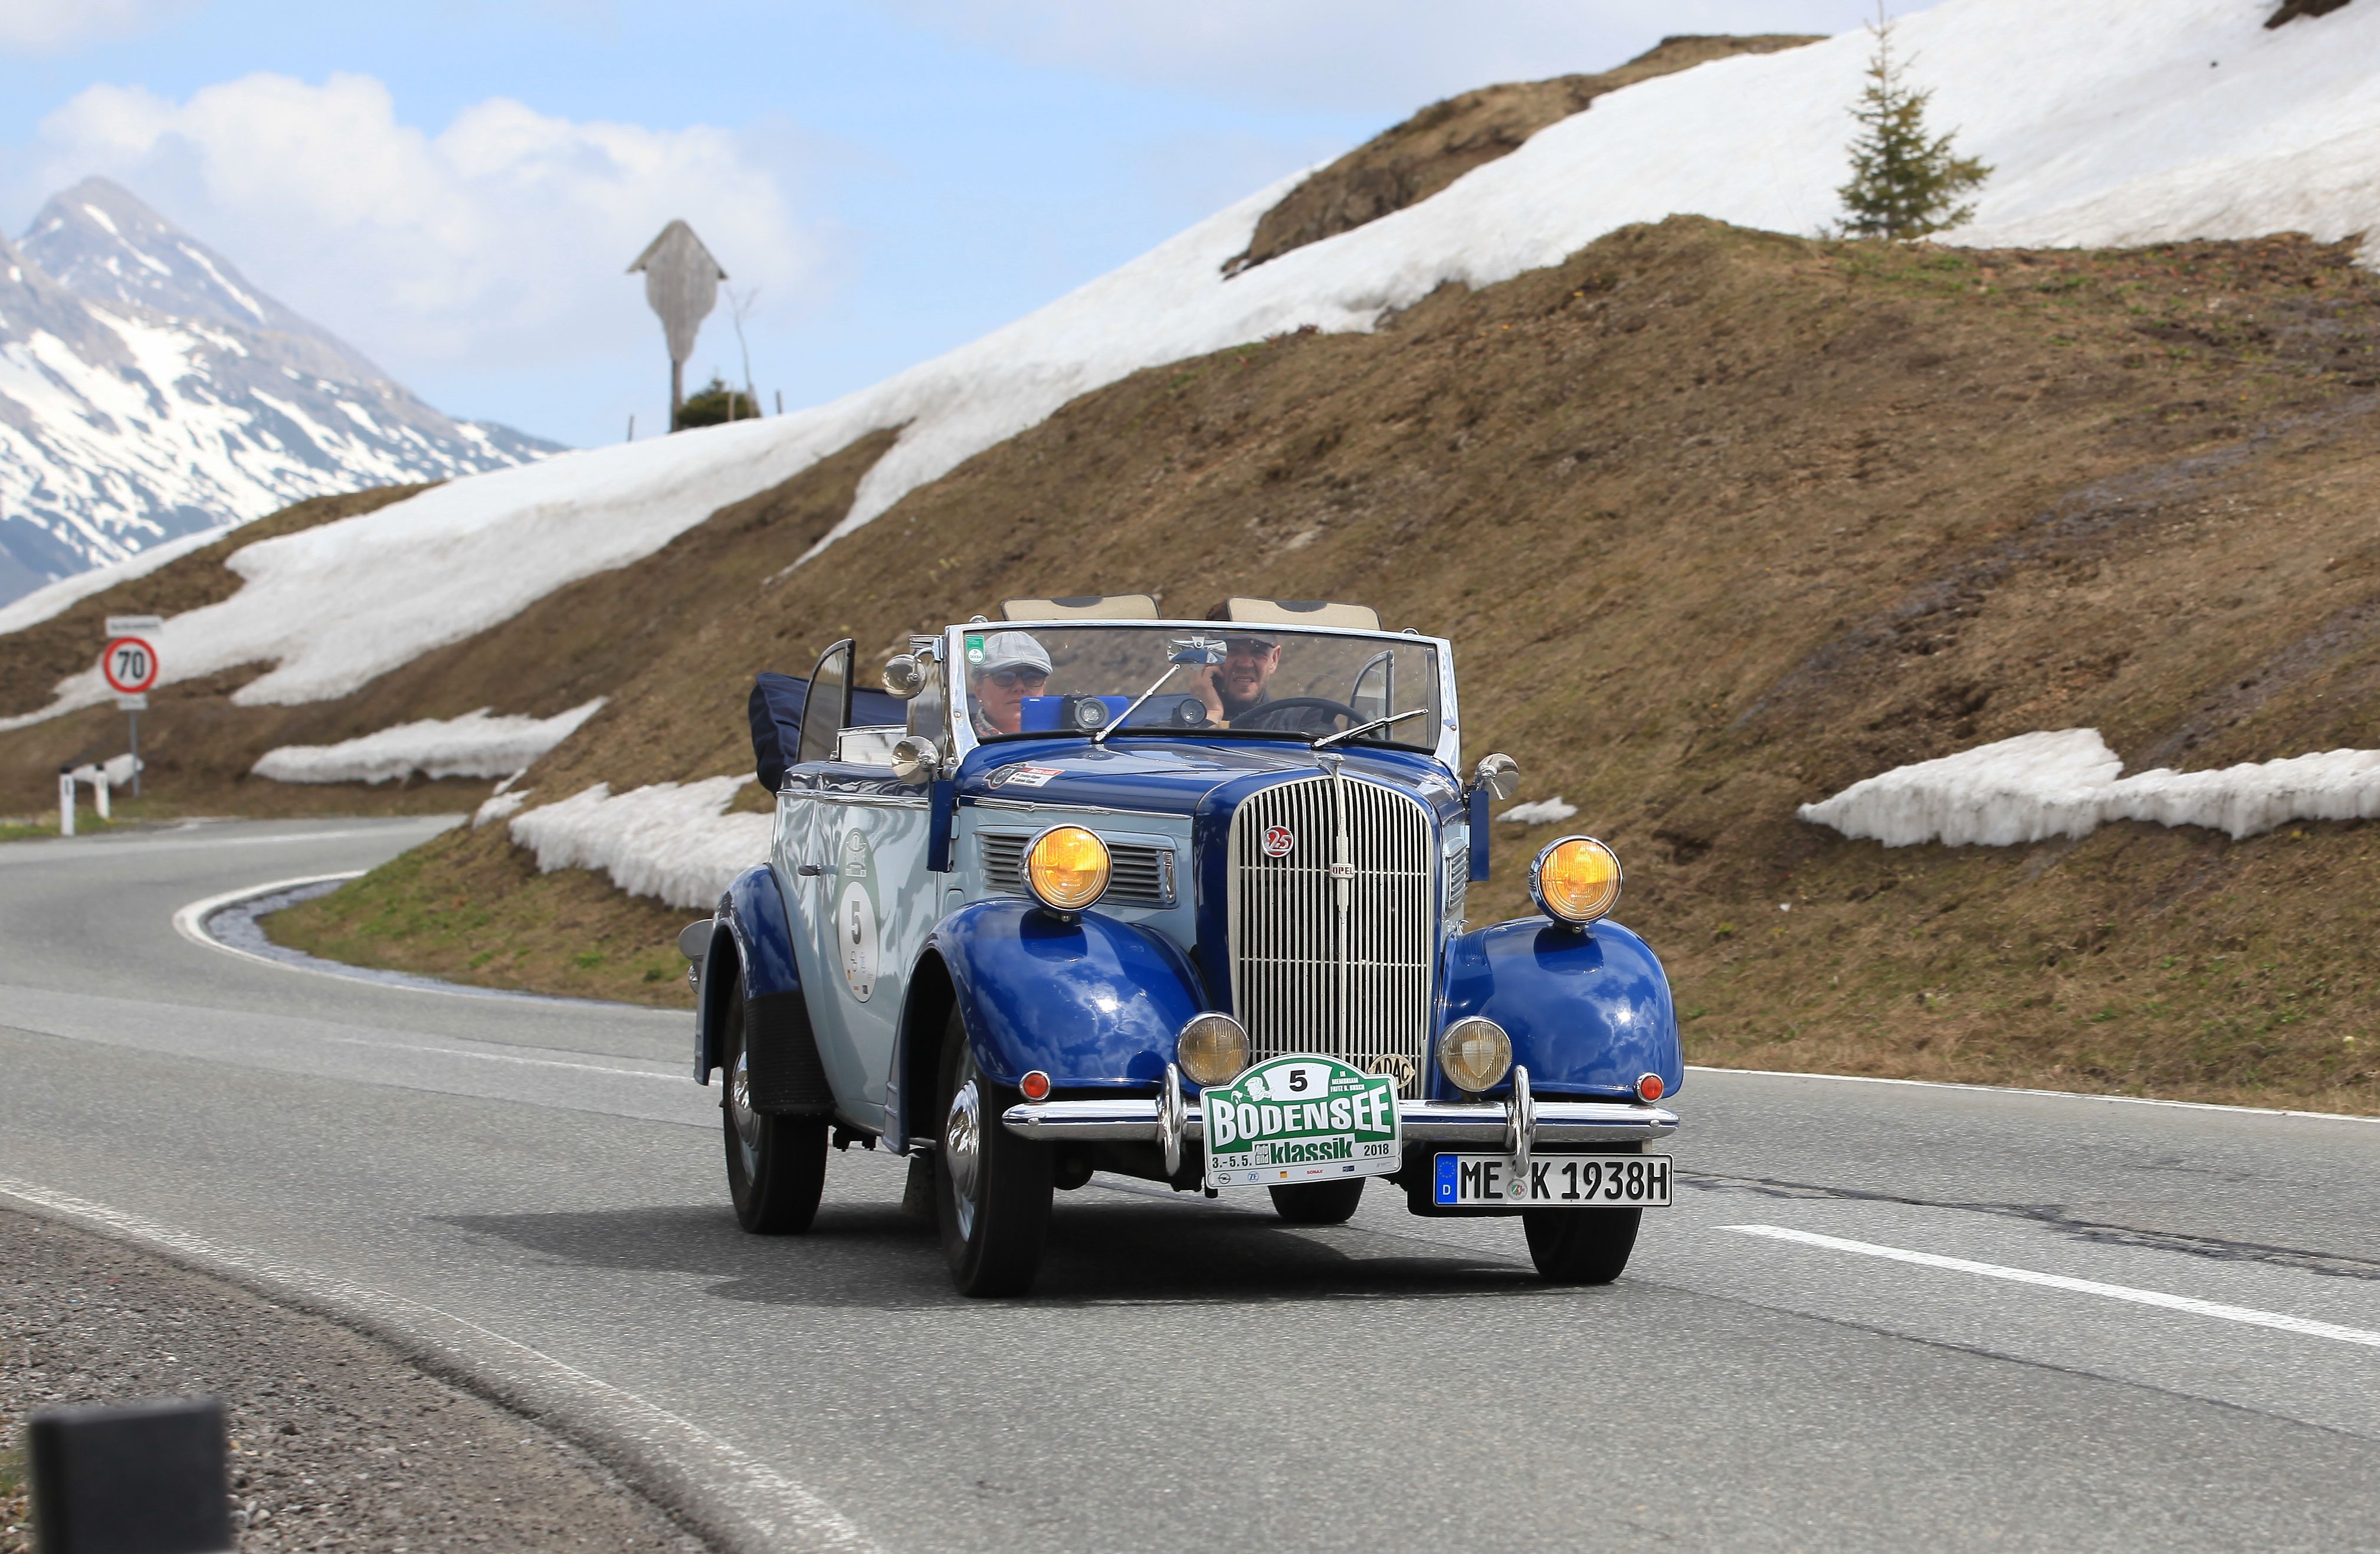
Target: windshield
1217	677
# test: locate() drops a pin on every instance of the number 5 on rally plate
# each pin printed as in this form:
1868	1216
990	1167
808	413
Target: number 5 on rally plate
1551	1181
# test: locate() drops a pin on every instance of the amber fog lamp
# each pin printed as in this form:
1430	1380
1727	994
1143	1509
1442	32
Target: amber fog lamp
1066	868
1474	1053
1211	1050
1575	880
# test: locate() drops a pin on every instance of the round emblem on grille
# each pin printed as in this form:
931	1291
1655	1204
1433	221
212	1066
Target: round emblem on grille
1279	842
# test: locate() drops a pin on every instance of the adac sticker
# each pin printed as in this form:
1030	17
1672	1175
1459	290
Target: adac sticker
975	650
855	926
1301	1118
1025	776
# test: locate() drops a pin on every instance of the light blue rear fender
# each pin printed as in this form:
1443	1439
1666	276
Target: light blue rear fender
1095	1003
1587	1012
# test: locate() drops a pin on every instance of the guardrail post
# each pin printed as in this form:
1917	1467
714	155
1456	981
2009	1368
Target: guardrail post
142	1478
65	801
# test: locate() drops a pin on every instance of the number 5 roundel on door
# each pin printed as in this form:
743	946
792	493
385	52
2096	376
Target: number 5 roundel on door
130	665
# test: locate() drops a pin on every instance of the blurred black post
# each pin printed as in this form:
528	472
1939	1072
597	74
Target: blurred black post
142	1478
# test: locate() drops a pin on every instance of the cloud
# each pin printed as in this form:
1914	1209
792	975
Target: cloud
501	237
50	26
1385	56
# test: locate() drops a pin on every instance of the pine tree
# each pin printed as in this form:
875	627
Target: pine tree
1903	184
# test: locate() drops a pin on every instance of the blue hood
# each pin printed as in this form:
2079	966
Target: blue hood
1136	771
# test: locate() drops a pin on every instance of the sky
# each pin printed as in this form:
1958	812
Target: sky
456	187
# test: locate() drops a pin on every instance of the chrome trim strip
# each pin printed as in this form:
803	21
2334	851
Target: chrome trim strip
878	801
1135	1119
1036	805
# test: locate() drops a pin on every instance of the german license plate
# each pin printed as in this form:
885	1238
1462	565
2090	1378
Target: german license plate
1552	1181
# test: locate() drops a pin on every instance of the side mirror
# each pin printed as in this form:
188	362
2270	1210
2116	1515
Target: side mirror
694	941
1499	775
915	758
905	676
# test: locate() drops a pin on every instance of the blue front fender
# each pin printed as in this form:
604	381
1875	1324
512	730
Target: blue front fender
1095	1003
1587	1012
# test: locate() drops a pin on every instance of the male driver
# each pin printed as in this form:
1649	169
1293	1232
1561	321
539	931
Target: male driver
1236	686
1014	666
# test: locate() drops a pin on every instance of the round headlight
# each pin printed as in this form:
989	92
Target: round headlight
1575	880
1066	868
1474	1053
1212	1050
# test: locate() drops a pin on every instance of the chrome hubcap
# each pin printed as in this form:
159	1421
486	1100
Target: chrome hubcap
962	1152
740	1114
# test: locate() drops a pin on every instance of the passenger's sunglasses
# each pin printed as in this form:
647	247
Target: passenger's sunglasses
1009	679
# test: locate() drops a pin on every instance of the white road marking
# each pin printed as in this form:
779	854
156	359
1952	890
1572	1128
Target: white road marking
673	1077
190	922
761	1508
38	852
2019	1090
2305	1325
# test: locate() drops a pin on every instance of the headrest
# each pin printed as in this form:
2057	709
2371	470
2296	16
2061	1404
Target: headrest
1301	611
1082	607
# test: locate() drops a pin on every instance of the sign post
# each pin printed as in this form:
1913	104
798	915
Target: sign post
129	664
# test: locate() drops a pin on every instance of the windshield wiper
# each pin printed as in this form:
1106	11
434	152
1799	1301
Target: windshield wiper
1366	728
1203	650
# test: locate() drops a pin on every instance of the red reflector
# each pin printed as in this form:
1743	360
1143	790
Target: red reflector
1035	1086
1649	1088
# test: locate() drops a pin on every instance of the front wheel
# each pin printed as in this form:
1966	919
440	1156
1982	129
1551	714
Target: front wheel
1319	1203
992	1188
776	1166
1579	1245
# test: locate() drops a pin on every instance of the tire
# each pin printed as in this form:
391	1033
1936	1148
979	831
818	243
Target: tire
1319	1203
991	1189
1579	1245
776	1166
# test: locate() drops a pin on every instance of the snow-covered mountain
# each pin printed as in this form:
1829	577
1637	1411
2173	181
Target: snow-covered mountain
148	392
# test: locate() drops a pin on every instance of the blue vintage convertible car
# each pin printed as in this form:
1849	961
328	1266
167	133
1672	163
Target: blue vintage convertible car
1087	890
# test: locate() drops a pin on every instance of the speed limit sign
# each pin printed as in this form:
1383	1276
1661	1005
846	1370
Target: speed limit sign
129	664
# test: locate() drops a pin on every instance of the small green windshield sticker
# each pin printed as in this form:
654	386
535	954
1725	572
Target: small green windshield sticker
975	650
1301	1118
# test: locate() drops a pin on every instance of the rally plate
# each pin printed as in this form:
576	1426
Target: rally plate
1551	1181
1302	1118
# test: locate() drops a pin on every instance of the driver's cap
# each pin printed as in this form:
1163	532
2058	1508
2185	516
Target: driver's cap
1011	650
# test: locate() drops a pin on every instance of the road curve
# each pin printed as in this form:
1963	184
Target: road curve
1881	1317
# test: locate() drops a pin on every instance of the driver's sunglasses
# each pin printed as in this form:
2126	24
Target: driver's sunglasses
1009	679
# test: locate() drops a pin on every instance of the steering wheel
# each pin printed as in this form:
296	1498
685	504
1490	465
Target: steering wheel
1293	704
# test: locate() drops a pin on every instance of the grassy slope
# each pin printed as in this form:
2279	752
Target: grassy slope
1722	521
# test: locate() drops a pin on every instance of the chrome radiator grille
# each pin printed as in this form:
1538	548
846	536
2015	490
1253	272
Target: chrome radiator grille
1141	875
1333	924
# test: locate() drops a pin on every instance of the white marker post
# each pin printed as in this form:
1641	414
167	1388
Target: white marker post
65	801
129	664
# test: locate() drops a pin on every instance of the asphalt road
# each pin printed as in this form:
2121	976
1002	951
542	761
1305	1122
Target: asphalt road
1881	1317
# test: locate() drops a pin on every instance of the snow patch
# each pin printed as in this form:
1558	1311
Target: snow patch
1541	812
675	841
55	598
2066	783
474	745
502	806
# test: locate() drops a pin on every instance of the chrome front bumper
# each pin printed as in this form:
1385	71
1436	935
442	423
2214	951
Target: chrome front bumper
1135	1120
